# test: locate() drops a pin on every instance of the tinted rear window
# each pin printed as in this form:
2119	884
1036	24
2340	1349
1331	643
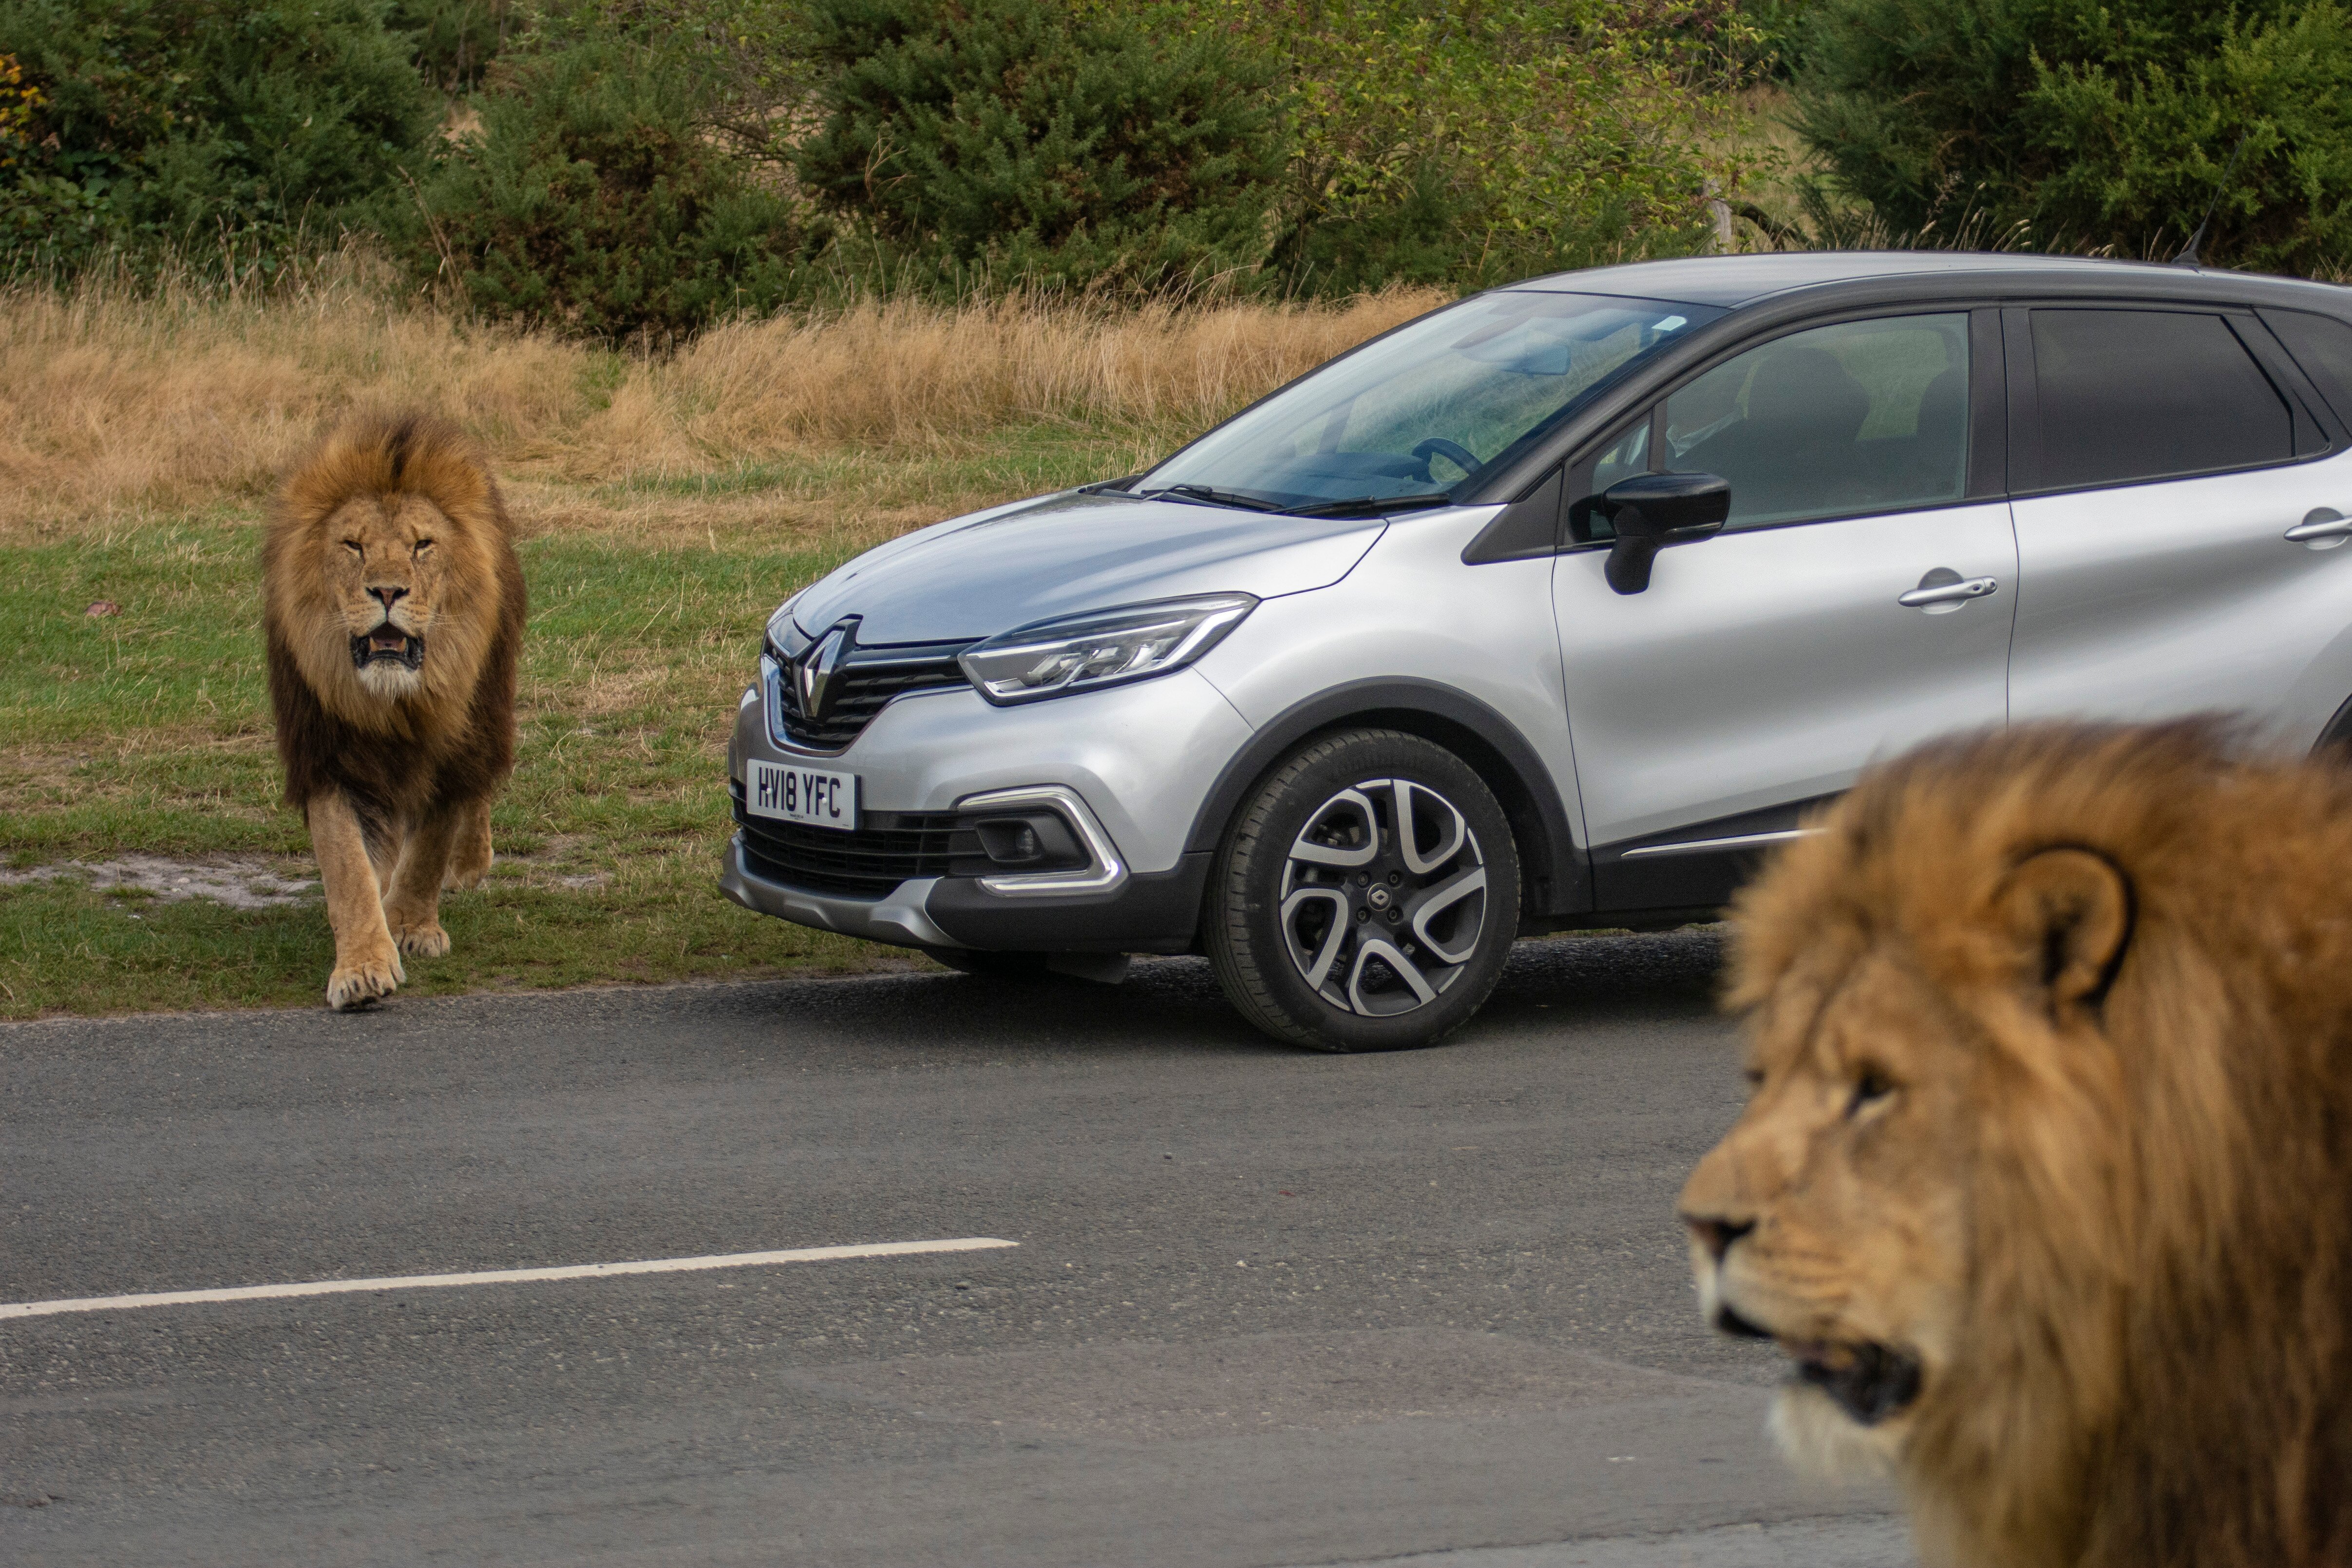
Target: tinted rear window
2149	394
2322	345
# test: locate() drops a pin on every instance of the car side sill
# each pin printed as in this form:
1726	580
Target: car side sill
1710	846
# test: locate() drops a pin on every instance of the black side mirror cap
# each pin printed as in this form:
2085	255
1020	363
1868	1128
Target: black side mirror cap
1653	511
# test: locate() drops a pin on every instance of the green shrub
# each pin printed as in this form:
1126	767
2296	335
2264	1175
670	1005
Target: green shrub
593	198
1057	148
1472	142
2084	123
170	124
455	40
1774	43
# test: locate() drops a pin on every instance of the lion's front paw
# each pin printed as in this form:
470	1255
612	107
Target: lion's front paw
356	984
423	938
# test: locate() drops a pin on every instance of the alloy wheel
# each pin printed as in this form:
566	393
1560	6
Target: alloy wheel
1383	897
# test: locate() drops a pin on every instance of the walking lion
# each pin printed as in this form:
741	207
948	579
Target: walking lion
2045	1185
393	608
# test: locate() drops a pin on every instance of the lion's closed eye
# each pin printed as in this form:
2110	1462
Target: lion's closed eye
356	547
422	546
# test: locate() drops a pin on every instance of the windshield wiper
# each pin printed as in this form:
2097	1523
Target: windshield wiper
1371	504
1216	497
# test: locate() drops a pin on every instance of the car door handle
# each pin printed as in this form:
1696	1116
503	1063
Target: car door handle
2320	523
1959	592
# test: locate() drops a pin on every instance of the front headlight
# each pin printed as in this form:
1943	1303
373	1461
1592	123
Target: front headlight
1102	647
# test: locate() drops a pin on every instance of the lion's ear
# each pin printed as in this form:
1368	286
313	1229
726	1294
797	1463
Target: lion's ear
2069	911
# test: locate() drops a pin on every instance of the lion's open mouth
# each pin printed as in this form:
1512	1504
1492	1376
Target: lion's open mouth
388	644
1869	1382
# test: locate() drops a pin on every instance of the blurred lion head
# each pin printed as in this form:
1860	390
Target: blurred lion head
2044	1186
382	572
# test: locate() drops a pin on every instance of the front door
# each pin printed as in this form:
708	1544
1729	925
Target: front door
2187	554
1858	600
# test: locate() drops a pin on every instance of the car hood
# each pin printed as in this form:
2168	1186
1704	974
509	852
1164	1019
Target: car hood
973	576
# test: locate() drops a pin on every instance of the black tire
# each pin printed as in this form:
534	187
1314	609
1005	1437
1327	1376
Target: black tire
993	966
1273	904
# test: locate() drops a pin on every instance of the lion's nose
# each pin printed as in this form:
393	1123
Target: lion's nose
389	596
1718	1235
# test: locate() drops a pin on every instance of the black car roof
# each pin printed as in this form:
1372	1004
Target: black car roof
1737	280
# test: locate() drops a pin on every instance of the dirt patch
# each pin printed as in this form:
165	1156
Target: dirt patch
241	883
559	859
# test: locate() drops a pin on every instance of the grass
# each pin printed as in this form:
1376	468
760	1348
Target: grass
665	506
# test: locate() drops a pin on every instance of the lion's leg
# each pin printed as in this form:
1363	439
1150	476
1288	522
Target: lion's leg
469	855
383	854
367	964
412	907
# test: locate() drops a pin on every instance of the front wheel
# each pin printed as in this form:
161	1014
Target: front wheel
1366	896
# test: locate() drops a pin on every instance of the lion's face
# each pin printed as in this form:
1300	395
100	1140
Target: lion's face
1828	1218
388	572
1840	1216
383	558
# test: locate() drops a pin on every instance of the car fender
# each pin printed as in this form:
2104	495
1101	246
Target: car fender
1553	870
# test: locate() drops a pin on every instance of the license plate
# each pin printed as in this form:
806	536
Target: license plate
807	795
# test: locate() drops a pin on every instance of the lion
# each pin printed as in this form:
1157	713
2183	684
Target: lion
2045	1182
393	610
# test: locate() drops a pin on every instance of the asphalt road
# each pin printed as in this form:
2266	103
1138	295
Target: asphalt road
1266	1308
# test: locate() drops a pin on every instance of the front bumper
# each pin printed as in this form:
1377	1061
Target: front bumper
900	919
1152	912
1140	760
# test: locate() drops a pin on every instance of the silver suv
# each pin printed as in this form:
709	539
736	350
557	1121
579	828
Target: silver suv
1552	608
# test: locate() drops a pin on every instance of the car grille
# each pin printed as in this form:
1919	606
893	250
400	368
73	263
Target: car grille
887	849
863	687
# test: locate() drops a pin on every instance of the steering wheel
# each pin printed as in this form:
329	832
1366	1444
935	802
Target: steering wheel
1454	451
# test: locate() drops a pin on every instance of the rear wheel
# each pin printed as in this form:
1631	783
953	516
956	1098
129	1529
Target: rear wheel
1366	896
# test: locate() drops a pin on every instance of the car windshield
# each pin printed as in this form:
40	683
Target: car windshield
1412	417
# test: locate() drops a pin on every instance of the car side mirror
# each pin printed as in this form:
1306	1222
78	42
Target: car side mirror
1651	511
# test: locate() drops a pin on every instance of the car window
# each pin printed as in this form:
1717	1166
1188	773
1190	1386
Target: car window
1865	416
1629	456
2127	395
1422	409
2322	345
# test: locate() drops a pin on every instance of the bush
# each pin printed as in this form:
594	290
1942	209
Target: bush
2085	123
163	124
1057	148
1471	141
592	198
455	40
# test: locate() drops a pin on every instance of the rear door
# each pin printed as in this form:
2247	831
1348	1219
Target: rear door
1763	668
2180	523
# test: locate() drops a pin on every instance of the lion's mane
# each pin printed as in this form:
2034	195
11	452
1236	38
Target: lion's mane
452	738
2153	1365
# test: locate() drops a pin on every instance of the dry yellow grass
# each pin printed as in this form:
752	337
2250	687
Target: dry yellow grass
115	406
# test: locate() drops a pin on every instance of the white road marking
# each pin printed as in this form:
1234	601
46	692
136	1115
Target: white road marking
498	1276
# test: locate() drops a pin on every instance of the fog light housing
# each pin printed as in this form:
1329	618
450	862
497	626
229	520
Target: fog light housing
1039	840
1031	841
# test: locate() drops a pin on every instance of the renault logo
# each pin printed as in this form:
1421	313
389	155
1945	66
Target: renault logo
812	677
